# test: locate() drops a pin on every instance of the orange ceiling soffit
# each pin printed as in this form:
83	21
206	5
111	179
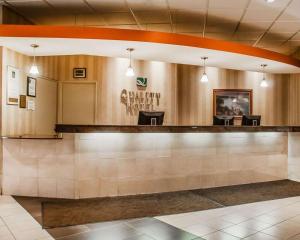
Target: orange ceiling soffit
142	36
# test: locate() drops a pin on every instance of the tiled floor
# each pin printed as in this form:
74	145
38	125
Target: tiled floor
17	224
135	229
269	220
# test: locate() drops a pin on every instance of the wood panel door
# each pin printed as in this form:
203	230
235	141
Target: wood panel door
78	102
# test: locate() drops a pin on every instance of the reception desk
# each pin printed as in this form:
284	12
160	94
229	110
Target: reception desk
97	161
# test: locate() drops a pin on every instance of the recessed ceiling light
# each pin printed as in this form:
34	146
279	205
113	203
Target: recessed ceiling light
270	1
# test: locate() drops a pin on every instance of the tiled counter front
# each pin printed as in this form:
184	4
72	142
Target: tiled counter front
84	165
39	167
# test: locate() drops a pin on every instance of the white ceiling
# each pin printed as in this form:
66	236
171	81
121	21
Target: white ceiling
145	51
274	26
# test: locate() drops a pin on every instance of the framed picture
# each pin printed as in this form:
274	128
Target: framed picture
23	100
232	102
79	72
12	86
31	87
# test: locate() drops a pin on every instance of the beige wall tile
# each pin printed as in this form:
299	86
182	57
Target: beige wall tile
47	187
47	167
83	169
65	188
28	186
89	188
108	187
11	185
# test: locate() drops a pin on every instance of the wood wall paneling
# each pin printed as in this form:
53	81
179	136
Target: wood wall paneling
184	98
195	99
17	121
293	105
79	102
109	74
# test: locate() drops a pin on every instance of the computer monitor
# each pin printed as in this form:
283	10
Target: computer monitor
251	120
223	120
151	118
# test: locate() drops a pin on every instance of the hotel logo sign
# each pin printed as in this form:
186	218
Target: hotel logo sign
141	81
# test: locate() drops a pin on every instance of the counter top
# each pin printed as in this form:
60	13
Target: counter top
66	128
40	137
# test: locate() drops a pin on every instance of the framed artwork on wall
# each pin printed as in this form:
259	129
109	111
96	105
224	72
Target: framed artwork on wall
12	86
232	102
31	87
79	72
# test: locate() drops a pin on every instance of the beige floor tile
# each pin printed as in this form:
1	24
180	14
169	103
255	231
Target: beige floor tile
261	236
17	224
6	200
283	230
32	235
8	237
239	231
275	219
255	224
210	214
4	232
179	220
1	223
268	219
296	237
285	213
199	230
217	223
235	218
220	236
296	219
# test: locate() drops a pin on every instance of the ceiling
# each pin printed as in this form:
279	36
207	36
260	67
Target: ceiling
273	26
145	51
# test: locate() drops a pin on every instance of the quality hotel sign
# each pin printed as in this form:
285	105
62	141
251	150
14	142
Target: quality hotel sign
140	100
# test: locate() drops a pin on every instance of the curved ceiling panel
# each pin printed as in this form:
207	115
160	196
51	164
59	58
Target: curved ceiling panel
167	46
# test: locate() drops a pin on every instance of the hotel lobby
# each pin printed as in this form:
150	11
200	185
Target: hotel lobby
150	120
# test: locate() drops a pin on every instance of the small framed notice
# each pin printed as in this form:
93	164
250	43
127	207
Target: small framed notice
79	72
31	87
31	104
22	101
12	86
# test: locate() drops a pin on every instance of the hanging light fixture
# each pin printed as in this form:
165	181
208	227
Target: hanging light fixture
130	71
264	82
204	77
34	69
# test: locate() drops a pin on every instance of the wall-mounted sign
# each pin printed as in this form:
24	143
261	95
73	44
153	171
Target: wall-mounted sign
31	87
79	72
22	101
12	85
31	104
136	101
141	81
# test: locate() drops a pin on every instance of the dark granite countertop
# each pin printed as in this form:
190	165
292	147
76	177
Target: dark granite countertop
66	128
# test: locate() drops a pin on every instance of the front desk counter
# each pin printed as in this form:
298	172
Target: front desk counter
97	161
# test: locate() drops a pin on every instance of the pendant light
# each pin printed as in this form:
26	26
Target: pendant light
264	82
34	69
204	77
130	71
